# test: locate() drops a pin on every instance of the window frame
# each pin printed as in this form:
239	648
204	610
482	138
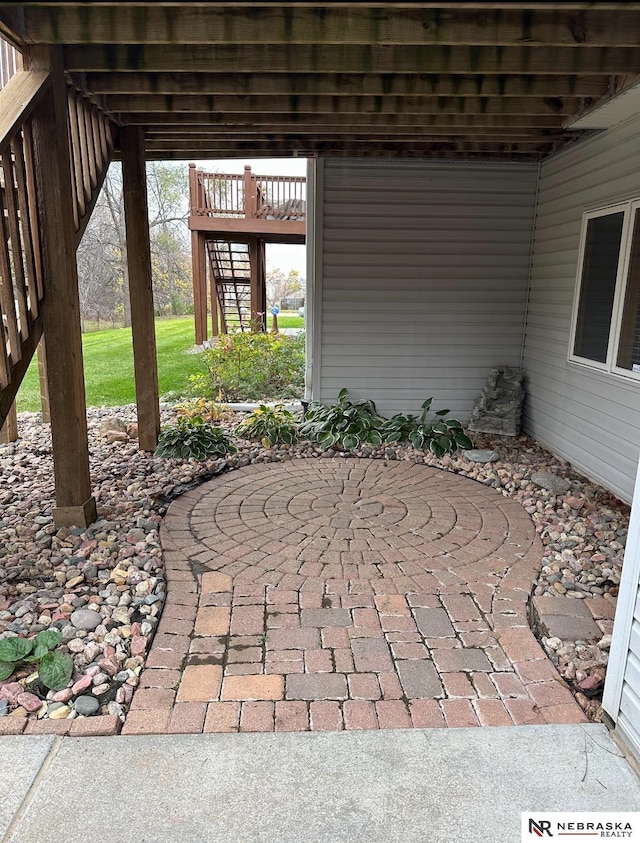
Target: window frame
629	208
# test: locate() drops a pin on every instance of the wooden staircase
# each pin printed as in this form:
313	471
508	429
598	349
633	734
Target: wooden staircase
25	179
230	272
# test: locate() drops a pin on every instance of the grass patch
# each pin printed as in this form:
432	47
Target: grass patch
287	319
108	365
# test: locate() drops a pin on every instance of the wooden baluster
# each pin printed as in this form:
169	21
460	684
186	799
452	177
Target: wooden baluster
76	159
11	200
7	300
9	430
27	231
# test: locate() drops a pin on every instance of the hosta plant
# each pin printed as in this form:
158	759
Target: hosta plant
193	439
54	668
346	424
270	426
209	411
437	434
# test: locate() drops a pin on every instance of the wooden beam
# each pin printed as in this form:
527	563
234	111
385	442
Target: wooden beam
360	23
366	58
263	227
74	503
145	361
301	105
200	121
346	84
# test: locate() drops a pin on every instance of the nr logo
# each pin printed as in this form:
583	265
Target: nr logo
540	828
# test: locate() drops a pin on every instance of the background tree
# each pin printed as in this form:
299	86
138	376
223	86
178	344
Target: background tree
281	286
102	264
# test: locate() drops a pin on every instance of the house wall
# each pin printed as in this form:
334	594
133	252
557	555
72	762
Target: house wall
590	418
421	272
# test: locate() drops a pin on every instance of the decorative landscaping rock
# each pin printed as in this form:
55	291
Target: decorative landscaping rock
548	480
499	408
583	536
85	619
481	456
86	705
112	424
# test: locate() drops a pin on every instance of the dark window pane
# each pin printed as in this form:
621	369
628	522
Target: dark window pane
629	349
597	290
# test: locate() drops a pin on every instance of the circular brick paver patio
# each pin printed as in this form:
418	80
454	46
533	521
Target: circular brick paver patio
346	594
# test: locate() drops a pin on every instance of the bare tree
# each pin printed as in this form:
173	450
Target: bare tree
102	255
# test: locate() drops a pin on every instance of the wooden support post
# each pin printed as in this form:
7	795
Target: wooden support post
44	386
9	430
199	271
250	199
74	503
145	362
257	313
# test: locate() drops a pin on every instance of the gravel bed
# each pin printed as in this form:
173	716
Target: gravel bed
104	587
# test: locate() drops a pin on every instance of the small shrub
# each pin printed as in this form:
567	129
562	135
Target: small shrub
54	669
438	434
346	424
252	367
193	439
270	425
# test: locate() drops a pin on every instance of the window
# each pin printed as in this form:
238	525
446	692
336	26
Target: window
606	319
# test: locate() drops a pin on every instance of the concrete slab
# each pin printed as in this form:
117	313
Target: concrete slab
566	618
382	787
20	761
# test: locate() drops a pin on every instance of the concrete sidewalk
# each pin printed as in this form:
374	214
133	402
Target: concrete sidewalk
382	786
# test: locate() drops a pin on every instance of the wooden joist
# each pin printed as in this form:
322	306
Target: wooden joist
191	121
362	23
359	58
347	84
289	107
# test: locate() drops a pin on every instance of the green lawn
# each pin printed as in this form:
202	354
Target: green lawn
108	363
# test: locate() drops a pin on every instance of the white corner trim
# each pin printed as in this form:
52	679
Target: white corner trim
624	612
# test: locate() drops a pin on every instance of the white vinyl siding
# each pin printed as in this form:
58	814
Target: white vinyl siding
621	698
589	417
424	271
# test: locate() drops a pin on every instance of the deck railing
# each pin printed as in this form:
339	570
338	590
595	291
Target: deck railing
92	136
248	196
10	62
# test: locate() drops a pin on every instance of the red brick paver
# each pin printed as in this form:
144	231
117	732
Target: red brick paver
347	594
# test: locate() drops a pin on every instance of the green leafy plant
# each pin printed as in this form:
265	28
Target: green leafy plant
346	424
437	434
54	668
270	425
252	367
193	439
